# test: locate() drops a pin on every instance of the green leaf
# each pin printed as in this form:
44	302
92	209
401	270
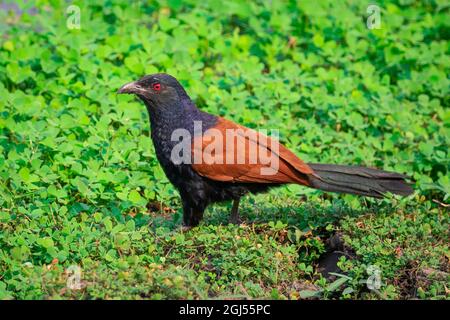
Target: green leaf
4	293
130	226
46	242
108	224
134	65
8	45
305	294
24	174
135	197
111	255
318	40
336	284
348	290
4	216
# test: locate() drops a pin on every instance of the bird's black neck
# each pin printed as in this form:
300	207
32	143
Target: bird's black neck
165	119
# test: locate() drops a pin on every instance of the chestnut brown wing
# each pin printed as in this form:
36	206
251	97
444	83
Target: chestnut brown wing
234	159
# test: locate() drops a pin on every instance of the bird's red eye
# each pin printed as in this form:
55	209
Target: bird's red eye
156	86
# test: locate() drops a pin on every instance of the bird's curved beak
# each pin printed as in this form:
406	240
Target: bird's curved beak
131	88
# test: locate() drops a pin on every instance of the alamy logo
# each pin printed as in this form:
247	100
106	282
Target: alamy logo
74	277
74	17
374	18
374	279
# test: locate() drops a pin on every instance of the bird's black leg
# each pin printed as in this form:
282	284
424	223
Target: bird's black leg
234	218
191	214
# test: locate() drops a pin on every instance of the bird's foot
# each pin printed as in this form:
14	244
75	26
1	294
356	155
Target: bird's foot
180	229
235	219
185	228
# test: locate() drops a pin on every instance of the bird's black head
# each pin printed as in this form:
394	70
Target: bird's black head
167	103
156	90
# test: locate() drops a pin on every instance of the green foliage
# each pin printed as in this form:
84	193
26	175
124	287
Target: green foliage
80	184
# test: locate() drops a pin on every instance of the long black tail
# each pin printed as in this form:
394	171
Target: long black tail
358	180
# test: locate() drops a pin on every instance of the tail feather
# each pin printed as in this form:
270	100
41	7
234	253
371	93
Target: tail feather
359	180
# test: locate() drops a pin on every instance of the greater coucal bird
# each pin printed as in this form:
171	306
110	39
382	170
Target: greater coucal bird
202	183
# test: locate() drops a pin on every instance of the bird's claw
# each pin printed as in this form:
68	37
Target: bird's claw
185	228
235	220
